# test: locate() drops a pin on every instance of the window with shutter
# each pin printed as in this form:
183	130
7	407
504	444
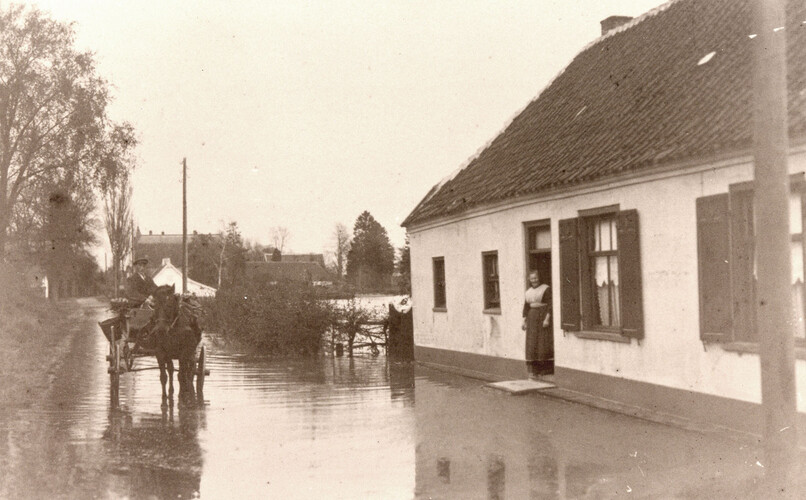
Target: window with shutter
600	264
727	268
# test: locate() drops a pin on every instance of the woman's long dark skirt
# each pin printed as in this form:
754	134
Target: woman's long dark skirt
539	341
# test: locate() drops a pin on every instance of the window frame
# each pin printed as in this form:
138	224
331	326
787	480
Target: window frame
440	289
588	256
487	281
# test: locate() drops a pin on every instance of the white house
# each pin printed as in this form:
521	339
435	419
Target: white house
628	184
168	274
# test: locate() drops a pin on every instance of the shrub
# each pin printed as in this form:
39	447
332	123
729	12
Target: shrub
285	319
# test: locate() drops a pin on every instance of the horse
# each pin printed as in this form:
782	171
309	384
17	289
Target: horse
176	336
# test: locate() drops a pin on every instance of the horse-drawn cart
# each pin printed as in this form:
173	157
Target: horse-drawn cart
130	335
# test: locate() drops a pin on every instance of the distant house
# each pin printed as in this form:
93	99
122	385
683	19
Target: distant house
157	247
300	272
168	274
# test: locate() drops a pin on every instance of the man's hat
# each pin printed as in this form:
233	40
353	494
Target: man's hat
141	260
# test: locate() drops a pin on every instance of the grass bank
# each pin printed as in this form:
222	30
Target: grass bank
34	336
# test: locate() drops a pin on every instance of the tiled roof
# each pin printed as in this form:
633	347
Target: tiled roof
288	271
640	96
304	257
157	247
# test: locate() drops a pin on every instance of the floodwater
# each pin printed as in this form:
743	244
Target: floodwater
343	428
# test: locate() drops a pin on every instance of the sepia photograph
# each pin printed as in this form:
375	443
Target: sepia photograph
402	249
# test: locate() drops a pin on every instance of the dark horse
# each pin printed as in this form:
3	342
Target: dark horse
176	336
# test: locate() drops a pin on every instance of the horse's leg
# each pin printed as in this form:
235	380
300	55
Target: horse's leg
170	364
163	377
187	394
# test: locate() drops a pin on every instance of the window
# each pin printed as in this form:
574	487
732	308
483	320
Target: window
727	263
600	266
492	294
538	250
439	283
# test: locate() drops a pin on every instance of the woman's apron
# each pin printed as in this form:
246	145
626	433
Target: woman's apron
539	340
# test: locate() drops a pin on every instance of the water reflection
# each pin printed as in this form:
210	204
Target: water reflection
474	442
155	455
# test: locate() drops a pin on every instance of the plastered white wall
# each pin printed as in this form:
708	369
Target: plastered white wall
671	353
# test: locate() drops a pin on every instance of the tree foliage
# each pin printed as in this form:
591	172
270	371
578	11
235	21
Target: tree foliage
371	258
404	267
65	229
218	260
52	111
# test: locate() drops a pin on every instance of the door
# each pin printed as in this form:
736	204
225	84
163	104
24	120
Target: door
538	258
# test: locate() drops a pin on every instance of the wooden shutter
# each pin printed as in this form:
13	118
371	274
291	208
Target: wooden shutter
713	259
741	264
569	274
629	260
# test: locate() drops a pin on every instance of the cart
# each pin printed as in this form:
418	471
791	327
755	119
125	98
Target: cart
126	333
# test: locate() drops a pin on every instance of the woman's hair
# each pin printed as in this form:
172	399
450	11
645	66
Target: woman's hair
535	272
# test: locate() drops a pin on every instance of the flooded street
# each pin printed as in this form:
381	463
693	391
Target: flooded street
340	428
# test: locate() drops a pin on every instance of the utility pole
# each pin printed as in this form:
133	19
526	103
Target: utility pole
771	207
184	226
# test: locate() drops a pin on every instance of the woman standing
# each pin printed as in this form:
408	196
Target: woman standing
537	324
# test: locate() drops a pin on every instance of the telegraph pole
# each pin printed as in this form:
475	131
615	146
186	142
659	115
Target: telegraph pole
771	206
184	226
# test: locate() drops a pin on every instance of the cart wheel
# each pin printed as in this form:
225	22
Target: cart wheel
114	364
201	372
127	356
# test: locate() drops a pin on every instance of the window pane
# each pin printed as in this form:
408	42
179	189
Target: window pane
543	239
604	234
601	291
491	293
796	249
615	310
795	215
531	238
797	289
613	238
606	306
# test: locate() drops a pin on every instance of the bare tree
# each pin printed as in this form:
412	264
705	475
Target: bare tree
119	225
279	237
116	165
52	105
341	237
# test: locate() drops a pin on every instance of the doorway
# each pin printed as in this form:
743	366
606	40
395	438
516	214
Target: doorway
538	258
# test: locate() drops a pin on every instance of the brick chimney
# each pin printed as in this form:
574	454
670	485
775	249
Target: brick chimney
613	22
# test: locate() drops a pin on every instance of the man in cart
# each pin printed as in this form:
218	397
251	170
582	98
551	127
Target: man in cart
140	290
141	286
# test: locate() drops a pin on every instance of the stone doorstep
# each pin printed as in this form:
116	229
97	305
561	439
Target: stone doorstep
523	386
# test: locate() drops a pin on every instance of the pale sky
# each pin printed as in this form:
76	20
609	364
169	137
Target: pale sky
304	114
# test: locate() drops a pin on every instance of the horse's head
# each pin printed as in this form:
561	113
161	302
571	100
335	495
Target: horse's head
165	303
